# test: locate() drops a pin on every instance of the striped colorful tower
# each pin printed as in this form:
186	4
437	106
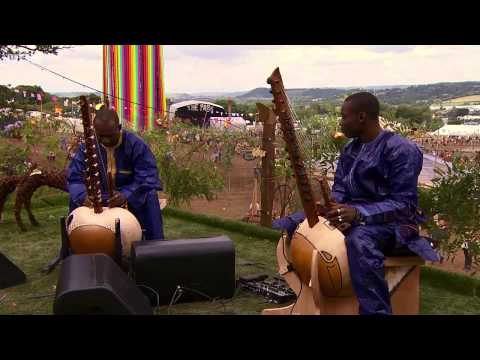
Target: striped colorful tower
133	80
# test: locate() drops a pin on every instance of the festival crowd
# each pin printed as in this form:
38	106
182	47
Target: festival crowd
445	147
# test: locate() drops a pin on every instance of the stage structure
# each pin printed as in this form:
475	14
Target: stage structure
197	112
133	82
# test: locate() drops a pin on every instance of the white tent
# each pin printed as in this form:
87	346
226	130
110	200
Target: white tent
236	123
458	130
76	123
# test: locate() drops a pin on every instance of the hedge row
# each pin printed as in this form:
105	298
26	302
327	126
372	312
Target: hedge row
226	224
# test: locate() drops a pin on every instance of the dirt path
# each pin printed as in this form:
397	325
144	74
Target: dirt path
234	201
456	265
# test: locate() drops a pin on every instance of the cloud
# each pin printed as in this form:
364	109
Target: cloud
196	68
222	53
391	48
80	63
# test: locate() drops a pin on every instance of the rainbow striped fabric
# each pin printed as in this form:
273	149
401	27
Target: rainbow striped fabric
133	80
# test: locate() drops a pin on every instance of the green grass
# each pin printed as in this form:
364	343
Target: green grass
441	293
34	249
226	224
437	301
454	282
44	197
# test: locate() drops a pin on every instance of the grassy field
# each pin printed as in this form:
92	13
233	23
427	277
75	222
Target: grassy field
462	100
35	248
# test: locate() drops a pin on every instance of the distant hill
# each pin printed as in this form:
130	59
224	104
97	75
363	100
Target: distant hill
206	96
220	94
429	93
25	97
14	97
381	87
258	93
313	93
176	98
179	96
395	95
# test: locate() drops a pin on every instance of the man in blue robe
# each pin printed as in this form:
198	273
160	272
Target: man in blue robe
128	170
376	201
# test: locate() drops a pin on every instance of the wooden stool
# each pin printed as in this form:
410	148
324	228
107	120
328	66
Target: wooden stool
403	277
402	274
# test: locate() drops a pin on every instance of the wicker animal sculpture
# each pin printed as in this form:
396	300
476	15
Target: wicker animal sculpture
30	183
8	184
26	185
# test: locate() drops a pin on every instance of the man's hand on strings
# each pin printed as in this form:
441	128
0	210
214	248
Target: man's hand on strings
117	200
321	209
341	214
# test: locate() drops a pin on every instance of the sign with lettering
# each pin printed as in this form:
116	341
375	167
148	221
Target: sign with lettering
200	107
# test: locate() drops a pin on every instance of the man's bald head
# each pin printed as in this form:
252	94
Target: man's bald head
107	126
360	113
106	115
365	102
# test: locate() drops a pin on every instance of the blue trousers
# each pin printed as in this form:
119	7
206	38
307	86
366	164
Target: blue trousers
150	217
365	246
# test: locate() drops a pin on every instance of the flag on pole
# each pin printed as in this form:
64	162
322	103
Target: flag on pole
32	95
65	103
54	98
24	93
39	97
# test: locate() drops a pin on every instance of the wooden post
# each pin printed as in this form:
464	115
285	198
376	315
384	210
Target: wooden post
229	109
268	118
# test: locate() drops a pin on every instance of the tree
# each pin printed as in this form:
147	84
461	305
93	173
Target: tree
455	113
239	108
434	125
462	112
21	52
413	116
184	159
460	211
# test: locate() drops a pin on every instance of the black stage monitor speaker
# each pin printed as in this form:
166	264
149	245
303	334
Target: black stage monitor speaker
95	284
10	274
204	266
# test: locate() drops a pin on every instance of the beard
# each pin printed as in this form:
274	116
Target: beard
109	141
348	133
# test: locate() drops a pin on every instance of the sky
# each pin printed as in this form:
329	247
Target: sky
223	68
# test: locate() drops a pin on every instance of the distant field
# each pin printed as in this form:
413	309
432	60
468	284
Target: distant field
463	99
